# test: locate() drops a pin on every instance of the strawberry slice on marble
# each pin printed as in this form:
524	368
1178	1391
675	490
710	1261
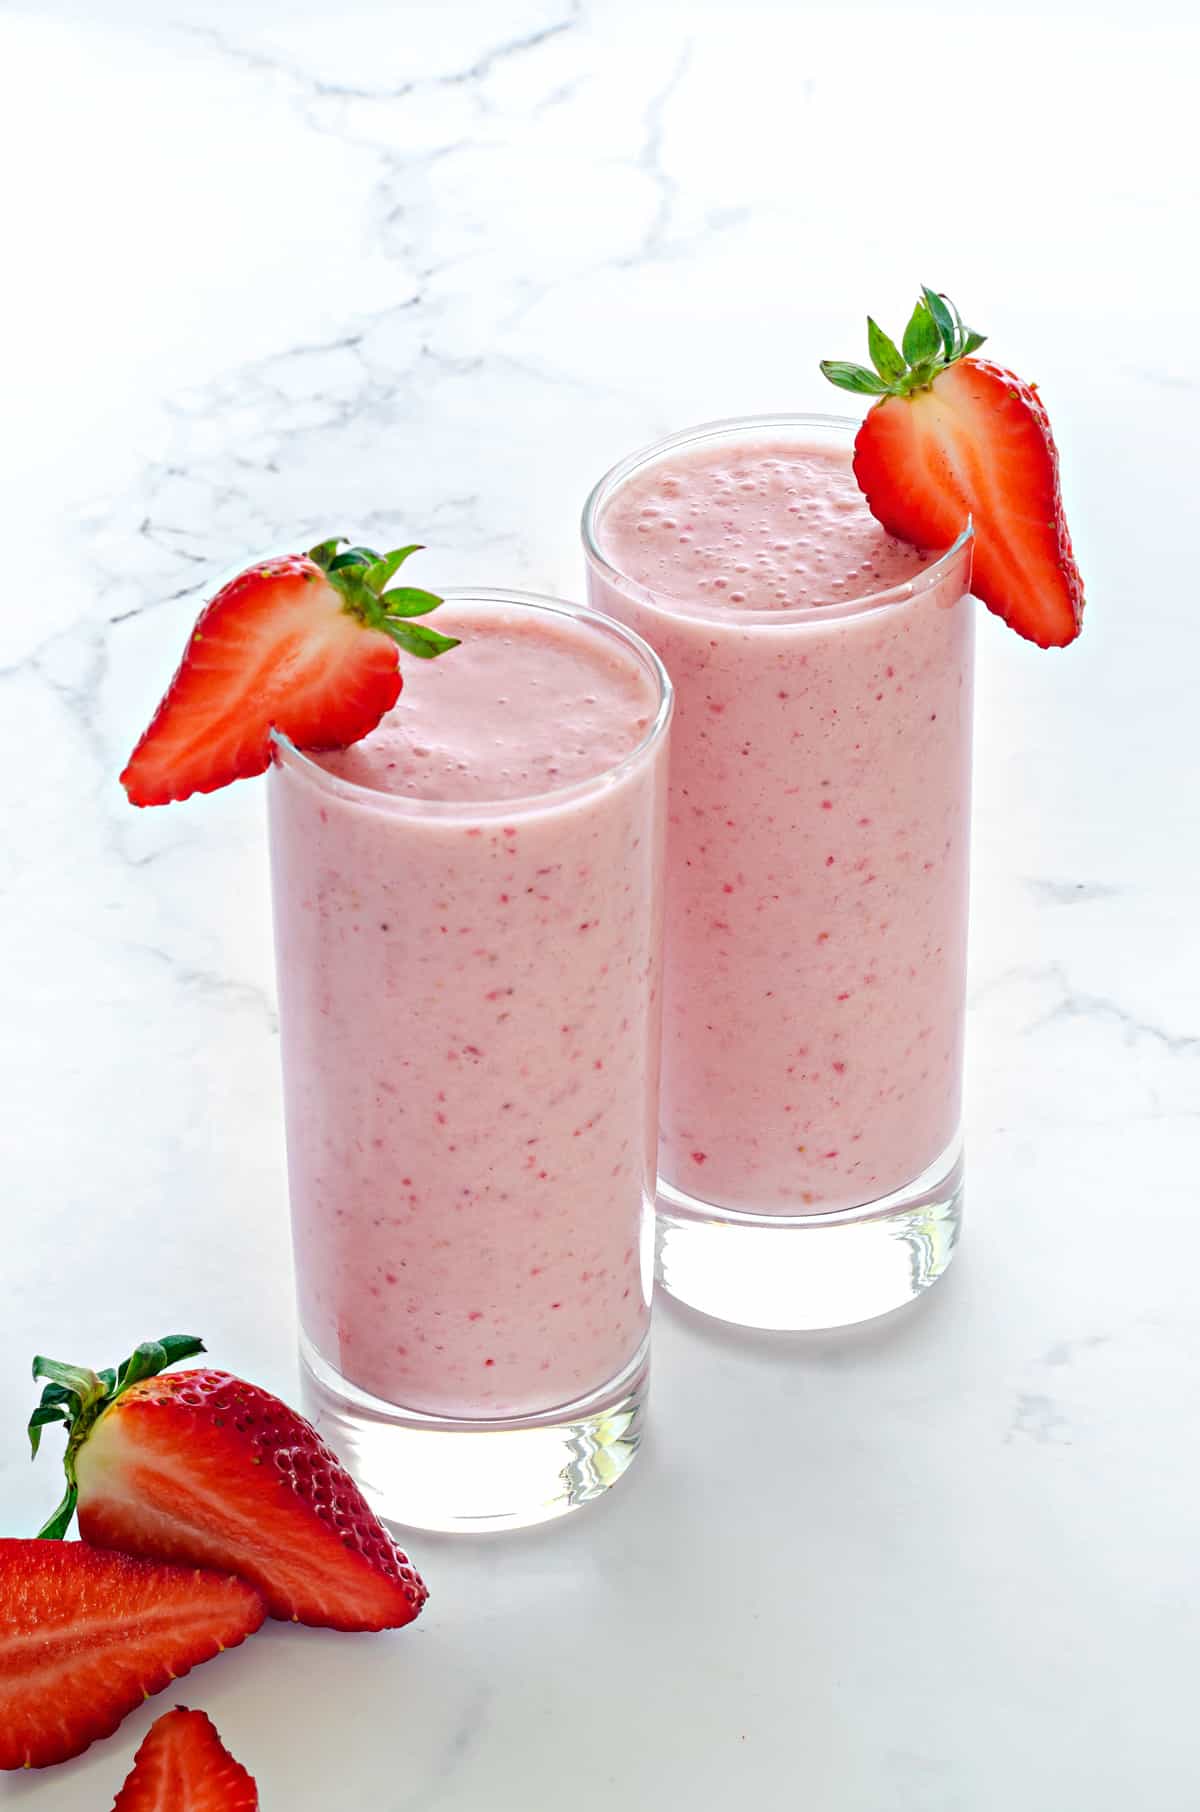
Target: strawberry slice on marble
183	1766
87	1636
200	1467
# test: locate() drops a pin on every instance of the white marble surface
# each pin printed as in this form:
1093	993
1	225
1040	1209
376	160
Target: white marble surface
426	269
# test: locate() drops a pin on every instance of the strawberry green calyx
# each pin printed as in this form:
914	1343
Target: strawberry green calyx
934	339
78	1397
361	575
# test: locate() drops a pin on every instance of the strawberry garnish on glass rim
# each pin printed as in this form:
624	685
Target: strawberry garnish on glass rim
203	1468
954	437
183	1766
303	644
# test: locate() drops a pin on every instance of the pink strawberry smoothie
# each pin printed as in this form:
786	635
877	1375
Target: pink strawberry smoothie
468	925
817	879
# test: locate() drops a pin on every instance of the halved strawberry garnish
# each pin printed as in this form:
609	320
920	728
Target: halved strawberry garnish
304	644
183	1766
954	437
204	1468
87	1636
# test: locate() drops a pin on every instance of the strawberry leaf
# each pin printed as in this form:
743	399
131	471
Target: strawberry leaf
359	576
942	318
325	552
377	576
408	601
180	1346
353	556
75	1380
934	338
43	1415
853	377
143	1362
884	354
56	1526
77	1396
922	340
414	638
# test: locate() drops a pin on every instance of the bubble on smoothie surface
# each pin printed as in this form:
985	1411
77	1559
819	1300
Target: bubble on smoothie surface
582	704
754	526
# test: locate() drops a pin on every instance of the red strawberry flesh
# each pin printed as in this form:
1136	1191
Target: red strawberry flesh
275	649
200	1466
977	444
183	1766
956	439
86	1636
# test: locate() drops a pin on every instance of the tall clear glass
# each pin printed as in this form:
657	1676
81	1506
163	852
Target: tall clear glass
470	1005
810	1168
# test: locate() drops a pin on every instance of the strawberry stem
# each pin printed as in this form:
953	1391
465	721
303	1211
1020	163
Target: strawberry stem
934	338
78	1397
362	577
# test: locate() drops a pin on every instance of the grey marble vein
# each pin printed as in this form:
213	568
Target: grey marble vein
1073	1003
213	985
1071	893
1039	1417
649	159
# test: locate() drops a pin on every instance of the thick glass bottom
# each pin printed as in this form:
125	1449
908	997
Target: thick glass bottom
811	1270
430	1472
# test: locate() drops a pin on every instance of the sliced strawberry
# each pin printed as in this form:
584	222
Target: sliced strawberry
955	437
304	644
183	1766
199	1466
87	1636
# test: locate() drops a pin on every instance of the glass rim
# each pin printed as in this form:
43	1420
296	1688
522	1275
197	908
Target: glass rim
285	754
668	605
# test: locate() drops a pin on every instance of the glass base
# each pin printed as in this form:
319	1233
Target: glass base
811	1270
430	1472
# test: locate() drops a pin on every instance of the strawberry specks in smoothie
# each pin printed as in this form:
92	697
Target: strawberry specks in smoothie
828	818
512	1182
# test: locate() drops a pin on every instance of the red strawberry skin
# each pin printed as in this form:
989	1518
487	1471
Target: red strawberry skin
202	1467
183	1766
87	1636
276	648
977	442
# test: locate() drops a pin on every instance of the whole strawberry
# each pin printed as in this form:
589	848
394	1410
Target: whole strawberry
201	1467
955	438
303	644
